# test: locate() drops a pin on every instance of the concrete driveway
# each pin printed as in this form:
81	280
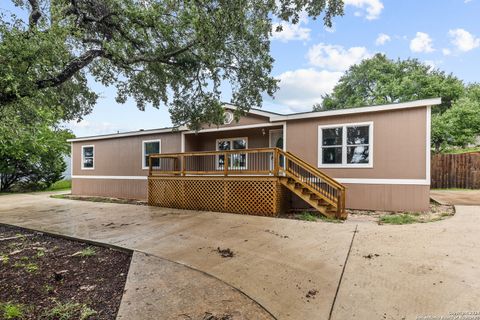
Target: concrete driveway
456	197
392	272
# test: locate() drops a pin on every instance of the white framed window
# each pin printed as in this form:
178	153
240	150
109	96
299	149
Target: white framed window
88	157
151	147
236	161
345	145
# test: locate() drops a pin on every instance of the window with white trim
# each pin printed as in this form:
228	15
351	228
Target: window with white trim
345	145
236	161
88	157
150	147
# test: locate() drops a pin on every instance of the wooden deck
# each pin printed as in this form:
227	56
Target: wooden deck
250	181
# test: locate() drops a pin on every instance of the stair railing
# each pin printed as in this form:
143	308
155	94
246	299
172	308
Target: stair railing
317	182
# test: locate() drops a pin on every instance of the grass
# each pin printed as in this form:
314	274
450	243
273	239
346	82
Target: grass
4	258
405	218
69	311
31	267
11	311
461	150
87	252
60	185
307	216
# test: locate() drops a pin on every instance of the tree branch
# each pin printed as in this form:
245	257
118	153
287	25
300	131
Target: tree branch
73	67
35	14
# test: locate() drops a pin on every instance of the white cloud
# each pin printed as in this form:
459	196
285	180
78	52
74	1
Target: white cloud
446	51
463	40
422	43
382	39
301	89
373	8
86	127
335	57
290	32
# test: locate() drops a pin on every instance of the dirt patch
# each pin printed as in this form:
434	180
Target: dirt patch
45	277
436	212
225	253
371	256
99	199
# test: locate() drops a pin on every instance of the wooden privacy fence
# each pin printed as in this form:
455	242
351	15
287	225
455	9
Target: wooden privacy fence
456	170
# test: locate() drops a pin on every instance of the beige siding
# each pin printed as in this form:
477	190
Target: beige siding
399	143
116	188
122	156
257	138
382	197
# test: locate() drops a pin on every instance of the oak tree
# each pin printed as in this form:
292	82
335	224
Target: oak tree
180	54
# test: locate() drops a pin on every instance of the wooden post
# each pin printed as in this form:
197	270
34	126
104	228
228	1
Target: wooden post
182	164
149	165
276	162
225	164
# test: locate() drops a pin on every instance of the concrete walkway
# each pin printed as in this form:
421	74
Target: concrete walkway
393	272
456	197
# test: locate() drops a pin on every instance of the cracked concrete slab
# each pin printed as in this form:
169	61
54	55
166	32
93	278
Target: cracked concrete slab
456	197
160	289
394	272
276	261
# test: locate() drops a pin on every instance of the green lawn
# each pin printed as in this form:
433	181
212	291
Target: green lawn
461	150
60	185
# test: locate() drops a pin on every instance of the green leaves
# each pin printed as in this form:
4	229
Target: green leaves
380	80
179	54
459	125
31	154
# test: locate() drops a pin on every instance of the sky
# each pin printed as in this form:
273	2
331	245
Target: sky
309	58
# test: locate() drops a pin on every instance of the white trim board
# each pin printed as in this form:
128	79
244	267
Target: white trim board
127	134
421	182
110	177
340	112
247	126
428	143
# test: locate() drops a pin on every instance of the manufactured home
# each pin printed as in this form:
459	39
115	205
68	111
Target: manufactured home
373	158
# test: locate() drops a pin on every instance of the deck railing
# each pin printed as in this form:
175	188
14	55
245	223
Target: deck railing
229	162
315	180
261	161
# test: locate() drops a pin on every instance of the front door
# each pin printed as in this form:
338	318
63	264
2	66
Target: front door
276	141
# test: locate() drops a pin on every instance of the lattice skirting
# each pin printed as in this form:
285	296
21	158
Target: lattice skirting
263	196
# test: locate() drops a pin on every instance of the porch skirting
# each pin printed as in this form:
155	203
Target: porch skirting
263	196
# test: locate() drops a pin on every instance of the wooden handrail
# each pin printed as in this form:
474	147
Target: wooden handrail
336	199
202	153
316	170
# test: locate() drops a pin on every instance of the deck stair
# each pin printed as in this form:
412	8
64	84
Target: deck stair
323	193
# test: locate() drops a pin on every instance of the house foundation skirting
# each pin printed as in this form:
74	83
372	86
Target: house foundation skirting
263	196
